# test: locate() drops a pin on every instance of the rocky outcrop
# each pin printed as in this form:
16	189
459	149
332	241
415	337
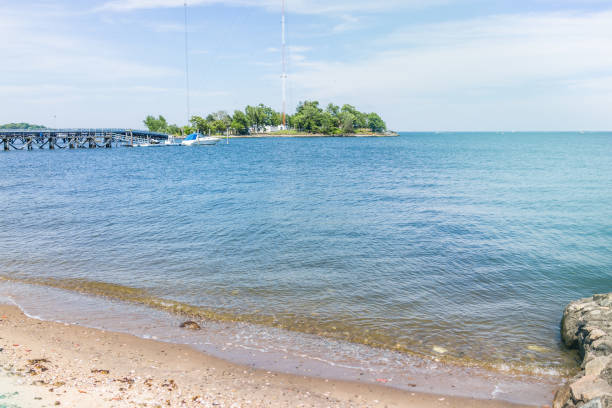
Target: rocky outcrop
587	326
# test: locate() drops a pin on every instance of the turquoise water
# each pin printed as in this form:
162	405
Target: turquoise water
460	246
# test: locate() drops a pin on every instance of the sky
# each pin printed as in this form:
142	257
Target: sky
423	65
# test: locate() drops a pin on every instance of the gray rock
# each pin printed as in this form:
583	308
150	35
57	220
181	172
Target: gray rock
596	403
587	326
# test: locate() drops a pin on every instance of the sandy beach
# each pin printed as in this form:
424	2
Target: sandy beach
55	364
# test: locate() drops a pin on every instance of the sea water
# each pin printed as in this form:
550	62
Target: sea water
458	248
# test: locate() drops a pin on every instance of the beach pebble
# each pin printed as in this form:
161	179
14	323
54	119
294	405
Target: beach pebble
439	350
191	325
538	349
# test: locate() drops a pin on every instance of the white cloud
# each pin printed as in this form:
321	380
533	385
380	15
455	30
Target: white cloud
166	27
294	6
65	55
347	23
482	60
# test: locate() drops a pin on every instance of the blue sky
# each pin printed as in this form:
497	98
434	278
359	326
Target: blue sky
421	64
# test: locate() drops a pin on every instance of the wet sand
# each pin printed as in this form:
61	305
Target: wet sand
56	364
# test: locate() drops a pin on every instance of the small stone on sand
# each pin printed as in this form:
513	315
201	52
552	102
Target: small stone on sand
191	325
439	350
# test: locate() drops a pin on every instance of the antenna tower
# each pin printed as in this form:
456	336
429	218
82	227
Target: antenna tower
284	63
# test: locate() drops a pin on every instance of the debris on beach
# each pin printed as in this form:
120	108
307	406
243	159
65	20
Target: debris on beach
35	366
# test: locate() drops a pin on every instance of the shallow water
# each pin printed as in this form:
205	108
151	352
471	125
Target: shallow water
470	244
269	348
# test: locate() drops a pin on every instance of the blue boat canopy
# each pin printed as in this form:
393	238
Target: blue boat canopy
192	136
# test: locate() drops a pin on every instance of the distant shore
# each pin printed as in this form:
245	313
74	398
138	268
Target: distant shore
305	135
50	364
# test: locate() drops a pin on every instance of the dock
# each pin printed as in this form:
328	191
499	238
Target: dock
21	139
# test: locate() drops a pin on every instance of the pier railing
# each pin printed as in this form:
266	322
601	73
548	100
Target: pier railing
28	139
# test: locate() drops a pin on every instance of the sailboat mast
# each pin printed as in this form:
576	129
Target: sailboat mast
284	63
187	69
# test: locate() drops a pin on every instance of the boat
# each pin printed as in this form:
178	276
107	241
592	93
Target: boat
199	139
171	141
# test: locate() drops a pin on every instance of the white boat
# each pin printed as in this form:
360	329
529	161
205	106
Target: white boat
171	141
199	139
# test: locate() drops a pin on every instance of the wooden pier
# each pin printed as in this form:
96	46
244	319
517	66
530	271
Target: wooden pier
19	139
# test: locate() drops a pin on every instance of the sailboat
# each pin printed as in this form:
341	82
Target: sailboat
194	139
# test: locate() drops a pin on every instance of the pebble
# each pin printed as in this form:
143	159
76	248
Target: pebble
191	325
439	350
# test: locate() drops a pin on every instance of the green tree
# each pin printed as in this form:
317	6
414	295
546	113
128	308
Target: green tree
360	120
240	123
309	117
174	130
224	119
347	122
270	116
375	123
24	126
332	109
328	123
156	125
200	124
255	116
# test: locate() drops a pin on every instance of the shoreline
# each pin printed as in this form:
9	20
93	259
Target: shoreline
51	361
306	135
277	350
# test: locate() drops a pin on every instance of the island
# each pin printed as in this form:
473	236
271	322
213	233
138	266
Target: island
309	120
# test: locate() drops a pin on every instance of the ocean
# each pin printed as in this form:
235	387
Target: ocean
447	250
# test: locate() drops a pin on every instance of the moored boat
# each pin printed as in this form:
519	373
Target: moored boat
199	139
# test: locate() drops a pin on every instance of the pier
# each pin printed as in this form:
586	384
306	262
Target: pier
20	139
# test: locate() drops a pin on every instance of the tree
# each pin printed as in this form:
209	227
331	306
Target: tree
347	120
360	120
174	130
255	116
240	123
309	117
332	109
24	126
187	130
270	116
328	124
200	124
156	125
375	123
224	118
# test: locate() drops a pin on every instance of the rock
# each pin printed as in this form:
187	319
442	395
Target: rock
191	325
593	404
588	388
562	396
538	349
597	365
587	326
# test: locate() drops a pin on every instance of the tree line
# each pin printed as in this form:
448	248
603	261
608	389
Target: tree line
308	118
22	126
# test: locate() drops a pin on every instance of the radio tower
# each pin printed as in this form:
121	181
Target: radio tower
284	63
